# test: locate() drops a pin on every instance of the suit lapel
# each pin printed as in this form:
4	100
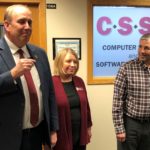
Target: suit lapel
6	55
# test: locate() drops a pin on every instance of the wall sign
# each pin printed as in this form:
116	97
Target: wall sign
116	33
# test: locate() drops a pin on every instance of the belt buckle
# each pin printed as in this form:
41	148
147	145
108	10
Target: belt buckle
27	131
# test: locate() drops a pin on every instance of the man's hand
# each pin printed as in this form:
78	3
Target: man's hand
53	137
121	137
22	66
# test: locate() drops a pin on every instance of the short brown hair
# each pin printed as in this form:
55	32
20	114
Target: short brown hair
145	36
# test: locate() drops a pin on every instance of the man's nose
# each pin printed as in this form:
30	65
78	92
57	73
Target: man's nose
142	50
27	24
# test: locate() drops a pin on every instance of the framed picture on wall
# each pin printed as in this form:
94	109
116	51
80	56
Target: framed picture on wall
61	43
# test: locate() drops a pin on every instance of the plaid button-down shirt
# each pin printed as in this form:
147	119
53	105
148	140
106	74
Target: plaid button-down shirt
131	93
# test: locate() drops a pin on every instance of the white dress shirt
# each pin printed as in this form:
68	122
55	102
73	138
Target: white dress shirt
36	80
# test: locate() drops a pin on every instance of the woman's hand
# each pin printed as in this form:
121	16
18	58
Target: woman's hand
89	133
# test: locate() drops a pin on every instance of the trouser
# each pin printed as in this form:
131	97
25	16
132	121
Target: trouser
137	135
32	138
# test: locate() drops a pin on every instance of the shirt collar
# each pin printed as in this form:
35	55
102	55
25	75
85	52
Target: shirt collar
13	47
142	63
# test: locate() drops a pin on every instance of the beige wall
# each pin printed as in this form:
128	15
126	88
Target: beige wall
70	20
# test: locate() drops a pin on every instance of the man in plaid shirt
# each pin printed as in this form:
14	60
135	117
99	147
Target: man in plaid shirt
131	101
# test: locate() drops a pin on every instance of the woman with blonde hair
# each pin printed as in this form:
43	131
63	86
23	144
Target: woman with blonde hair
73	107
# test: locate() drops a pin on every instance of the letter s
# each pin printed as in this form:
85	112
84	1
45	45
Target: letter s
145	23
124	23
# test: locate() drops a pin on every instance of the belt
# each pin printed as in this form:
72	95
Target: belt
143	120
37	128
28	130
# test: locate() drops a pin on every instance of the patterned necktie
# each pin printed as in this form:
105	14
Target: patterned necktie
32	93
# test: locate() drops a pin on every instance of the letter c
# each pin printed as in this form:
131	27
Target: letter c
100	24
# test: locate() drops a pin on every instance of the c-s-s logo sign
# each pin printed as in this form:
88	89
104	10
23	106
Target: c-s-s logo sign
124	26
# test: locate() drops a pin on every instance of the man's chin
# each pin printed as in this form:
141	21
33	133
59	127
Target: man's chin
142	59
145	60
25	40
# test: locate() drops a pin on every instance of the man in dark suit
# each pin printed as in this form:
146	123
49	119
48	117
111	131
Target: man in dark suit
17	131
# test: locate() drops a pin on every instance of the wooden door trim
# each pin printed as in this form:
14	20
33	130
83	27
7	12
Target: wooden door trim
22	1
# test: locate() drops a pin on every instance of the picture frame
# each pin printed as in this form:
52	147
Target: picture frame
61	43
104	56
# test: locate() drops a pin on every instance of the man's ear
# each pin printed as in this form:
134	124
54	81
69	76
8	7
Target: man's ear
6	25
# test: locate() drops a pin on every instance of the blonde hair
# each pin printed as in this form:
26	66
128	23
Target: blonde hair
58	62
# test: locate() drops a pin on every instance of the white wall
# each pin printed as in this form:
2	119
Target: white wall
70	20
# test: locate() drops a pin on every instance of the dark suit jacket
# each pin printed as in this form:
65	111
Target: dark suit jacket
12	97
